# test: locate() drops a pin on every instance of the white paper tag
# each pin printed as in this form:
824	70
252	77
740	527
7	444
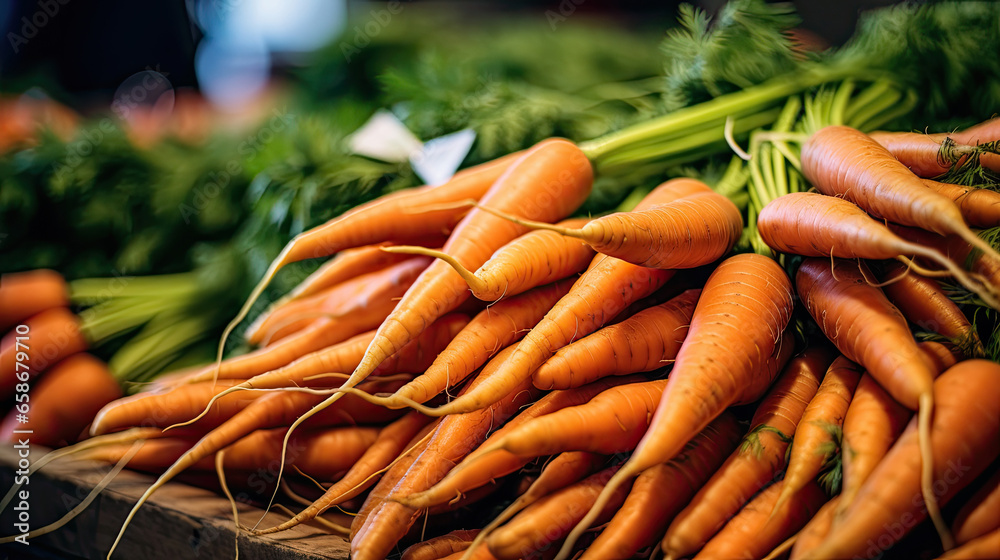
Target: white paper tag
441	157
386	138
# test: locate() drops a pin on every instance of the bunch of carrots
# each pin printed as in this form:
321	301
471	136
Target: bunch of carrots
630	379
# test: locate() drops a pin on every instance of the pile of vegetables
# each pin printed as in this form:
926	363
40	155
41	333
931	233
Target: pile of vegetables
790	351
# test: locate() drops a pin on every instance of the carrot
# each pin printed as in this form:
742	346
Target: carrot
842	161
876	337
980	207
478	553
816	444
465	477
689	232
760	458
956	249
454	438
533	259
926	155
981	514
439	547
963	442
23	294
736	328
814	225
548	520
643	342
982	133
53	420
342	302
815	530
662	490
35	345
874	420
389	444
754	531
986	547
492	330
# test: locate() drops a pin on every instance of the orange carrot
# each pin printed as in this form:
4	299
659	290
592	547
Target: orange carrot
35	345
760	458
981	514
533	259
814	225
817	440
55	421
926	155
439	547
963	443
391	442
645	341
842	161
815	530
986	131
689	232
463	478
723	362
979	207
986	547
662	490
956	249
342	302
23	294
548	520
754	531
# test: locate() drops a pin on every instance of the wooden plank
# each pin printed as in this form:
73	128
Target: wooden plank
180	522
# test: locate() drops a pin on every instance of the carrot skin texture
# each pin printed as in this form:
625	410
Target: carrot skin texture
663	490
54	334
815	530
23	294
439	547
758	461
979	207
650	337
986	547
753	532
922	153
54	422
981	514
965	429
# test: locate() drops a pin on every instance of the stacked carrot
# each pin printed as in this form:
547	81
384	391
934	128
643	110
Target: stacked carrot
650	395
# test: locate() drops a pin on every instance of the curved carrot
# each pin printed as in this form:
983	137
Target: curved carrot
980	548
23	294
842	161
815	225
963	443
979	207
981	514
662	490
760	458
64	401
815	530
645	341
46	338
439	547
817	441
736	329
533	259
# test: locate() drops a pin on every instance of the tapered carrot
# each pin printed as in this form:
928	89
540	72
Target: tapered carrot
46	338
662	490
53	420
760	458
533	259
979	207
547	521
439	547
986	547
23	294
465	476
963	442
817	439
924	303
754	531
876	337
814	225
815	530
454	438
342	302
841	161
926	155
981	514
686	233
724	361
645	341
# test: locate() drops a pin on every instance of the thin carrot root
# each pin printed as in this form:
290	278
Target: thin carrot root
924	416
471	279
782	548
982	289
570	232
220	459
627	472
338	529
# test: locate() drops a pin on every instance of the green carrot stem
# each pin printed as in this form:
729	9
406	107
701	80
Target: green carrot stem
108	320
90	290
883	103
894	112
866	97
